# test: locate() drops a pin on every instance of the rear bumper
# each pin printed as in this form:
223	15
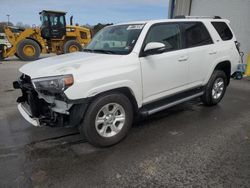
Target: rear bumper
27	116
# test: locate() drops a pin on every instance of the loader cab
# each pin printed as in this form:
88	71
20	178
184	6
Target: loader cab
53	24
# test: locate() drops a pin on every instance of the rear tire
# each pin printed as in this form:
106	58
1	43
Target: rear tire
215	89
72	46
107	120
28	50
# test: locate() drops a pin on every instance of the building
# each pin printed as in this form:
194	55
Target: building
237	11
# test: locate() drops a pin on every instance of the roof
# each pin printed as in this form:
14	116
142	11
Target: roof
53	11
174	20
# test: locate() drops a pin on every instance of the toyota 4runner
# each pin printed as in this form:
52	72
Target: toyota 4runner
137	68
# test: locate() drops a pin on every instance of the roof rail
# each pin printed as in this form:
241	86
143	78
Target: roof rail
196	17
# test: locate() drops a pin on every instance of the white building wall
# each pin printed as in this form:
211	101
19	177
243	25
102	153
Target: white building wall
237	11
182	7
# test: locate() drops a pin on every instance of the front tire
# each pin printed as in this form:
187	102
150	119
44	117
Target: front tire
215	89
107	120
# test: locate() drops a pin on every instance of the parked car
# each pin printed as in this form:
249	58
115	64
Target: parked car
3	40
131	69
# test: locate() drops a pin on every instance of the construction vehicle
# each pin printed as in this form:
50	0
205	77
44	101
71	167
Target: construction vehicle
52	37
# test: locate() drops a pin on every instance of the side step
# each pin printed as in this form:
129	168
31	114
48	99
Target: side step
171	101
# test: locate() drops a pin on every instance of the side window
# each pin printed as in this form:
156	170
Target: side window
62	20
196	34
168	34
223	30
83	35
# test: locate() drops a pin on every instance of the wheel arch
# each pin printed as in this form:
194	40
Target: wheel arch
128	92
223	65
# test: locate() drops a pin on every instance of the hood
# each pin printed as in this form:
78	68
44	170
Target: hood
64	64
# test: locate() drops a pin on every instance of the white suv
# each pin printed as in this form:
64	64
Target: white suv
128	70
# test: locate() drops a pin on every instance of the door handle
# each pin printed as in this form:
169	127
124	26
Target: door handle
183	58
212	52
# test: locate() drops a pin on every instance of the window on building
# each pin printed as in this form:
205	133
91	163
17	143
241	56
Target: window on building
223	30
168	34
196	34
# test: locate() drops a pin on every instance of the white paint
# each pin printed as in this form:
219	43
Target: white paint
237	11
26	116
154	46
148	78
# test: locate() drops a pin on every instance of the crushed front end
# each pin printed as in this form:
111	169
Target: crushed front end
43	102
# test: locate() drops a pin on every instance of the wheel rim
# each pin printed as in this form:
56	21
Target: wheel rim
218	88
29	50
73	48
110	120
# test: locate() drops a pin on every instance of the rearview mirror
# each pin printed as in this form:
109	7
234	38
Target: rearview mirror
154	48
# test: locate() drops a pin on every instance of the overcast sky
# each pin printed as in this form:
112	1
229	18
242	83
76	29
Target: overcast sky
85	11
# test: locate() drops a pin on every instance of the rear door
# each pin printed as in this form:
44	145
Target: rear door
199	45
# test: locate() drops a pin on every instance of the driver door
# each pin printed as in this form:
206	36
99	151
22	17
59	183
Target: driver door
165	73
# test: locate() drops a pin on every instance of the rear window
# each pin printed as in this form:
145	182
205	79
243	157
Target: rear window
223	30
196	34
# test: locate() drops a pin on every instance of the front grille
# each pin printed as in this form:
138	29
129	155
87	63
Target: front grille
30	96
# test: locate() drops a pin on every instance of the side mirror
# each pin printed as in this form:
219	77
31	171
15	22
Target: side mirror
154	48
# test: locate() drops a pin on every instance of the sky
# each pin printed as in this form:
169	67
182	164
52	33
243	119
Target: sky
85	11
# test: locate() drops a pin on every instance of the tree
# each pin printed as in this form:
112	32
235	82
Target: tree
2	24
20	25
98	27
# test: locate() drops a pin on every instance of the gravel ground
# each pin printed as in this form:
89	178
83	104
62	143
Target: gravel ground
186	146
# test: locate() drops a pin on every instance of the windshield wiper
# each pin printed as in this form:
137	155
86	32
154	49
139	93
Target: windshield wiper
100	51
87	50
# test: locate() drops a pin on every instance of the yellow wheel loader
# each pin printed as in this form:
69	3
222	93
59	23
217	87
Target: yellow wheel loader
52	37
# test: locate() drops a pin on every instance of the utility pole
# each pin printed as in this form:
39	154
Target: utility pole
8	17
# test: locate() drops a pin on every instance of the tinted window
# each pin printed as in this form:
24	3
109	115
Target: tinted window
196	34
83	35
57	20
223	30
168	34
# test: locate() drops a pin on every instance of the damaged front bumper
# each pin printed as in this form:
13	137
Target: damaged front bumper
44	109
27	115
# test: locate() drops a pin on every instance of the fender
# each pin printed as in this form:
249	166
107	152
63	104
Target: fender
134	89
215	63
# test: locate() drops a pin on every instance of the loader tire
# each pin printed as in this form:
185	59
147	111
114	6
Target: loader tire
28	50
17	55
72	46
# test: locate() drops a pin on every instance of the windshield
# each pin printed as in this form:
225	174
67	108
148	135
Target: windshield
45	20
119	39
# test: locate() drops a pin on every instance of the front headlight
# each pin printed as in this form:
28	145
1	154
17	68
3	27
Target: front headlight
55	84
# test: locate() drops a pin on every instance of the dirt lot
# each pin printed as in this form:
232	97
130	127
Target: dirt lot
186	146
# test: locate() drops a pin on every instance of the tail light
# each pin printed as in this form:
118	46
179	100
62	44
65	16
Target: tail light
237	44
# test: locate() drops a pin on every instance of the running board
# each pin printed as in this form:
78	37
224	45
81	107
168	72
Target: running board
148	110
